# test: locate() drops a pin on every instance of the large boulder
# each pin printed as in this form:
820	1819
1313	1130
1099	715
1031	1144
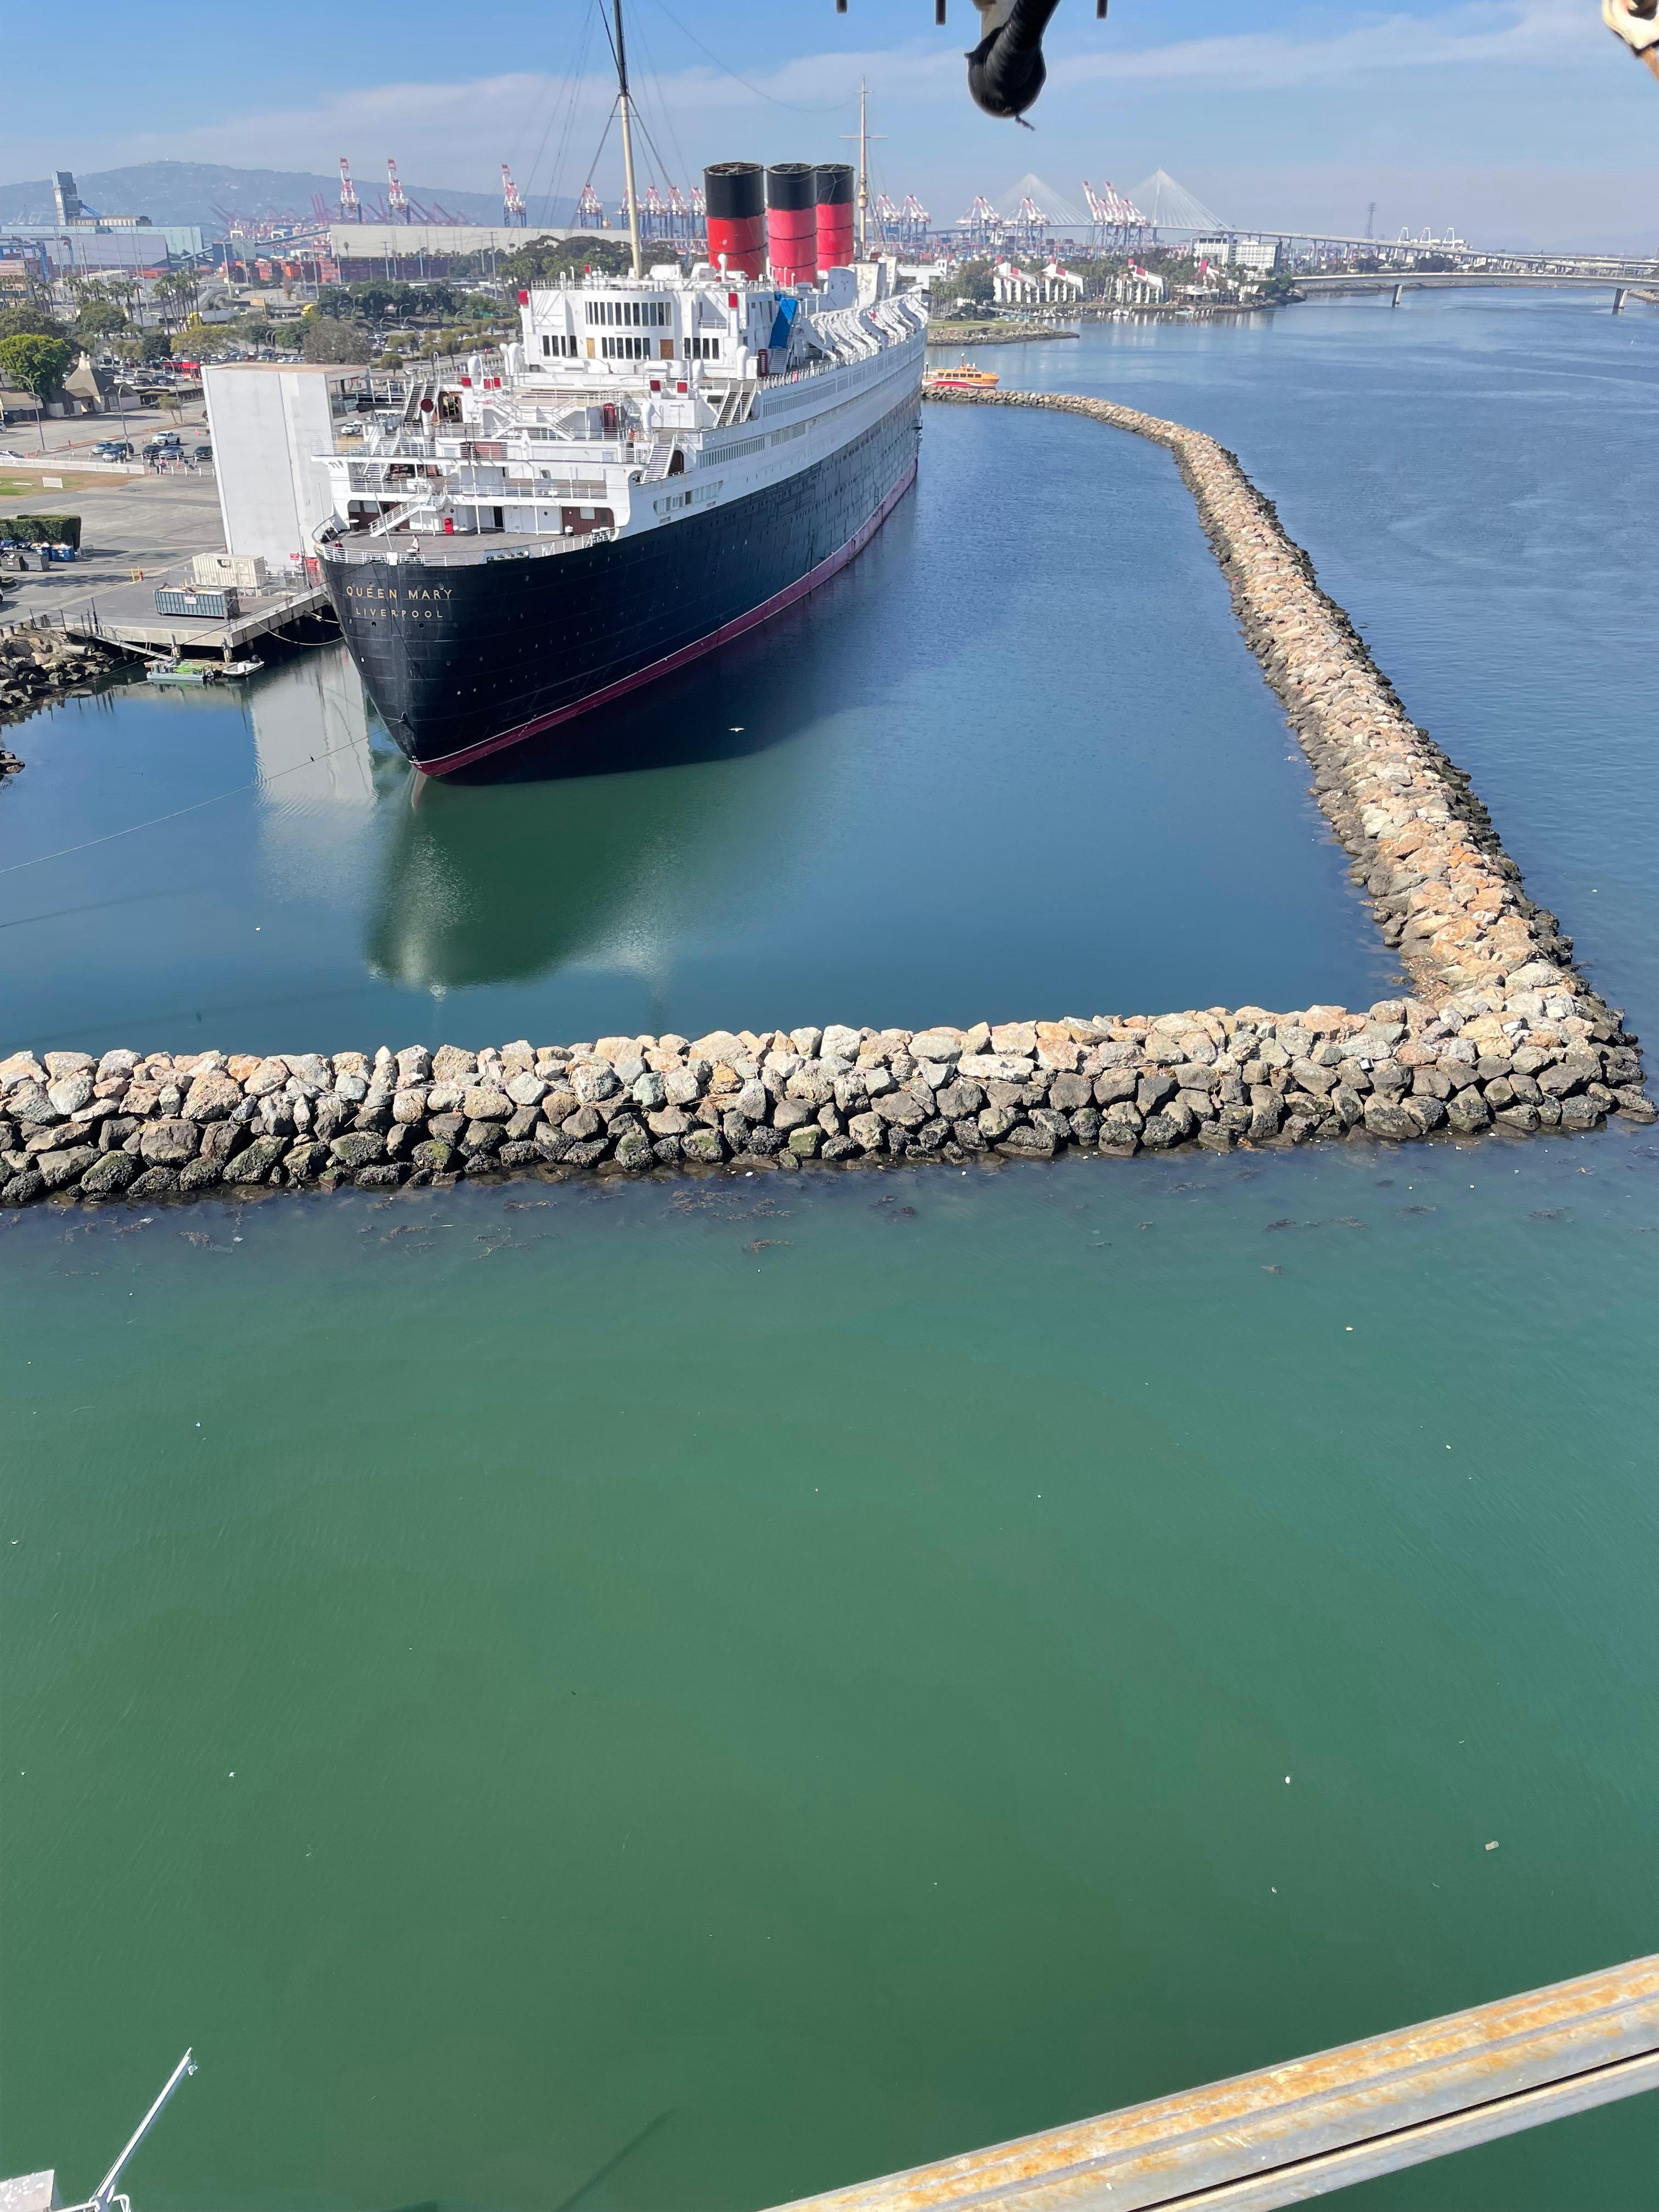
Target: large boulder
1383	1120
154	1182
59	1169
257	1162
69	1093
358	1148
169	1143
212	1097
109	1173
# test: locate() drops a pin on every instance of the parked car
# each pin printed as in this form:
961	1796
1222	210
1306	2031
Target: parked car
112	449
202	453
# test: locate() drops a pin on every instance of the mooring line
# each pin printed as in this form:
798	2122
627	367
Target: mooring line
260	783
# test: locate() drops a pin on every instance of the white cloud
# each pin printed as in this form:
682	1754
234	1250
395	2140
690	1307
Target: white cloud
1488	33
458	133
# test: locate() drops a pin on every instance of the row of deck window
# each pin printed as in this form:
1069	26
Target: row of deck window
639	314
563	345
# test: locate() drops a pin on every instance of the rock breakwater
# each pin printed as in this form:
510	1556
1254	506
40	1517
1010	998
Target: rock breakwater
949	333
37	664
1498	1032
1447	895
149	1126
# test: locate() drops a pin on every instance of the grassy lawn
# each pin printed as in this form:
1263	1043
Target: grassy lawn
40	495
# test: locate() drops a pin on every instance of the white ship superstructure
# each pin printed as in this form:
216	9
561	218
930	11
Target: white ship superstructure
625	404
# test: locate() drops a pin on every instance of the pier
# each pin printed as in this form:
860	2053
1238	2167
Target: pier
125	615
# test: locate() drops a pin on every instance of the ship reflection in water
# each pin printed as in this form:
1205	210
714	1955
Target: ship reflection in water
609	846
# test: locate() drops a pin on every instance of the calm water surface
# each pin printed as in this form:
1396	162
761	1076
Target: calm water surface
1017	760
679	1696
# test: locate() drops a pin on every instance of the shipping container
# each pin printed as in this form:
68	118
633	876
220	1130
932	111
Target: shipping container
212	605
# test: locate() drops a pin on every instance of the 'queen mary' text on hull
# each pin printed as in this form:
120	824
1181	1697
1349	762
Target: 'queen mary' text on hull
663	463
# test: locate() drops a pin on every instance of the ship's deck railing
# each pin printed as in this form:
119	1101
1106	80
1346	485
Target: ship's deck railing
1314	2124
465	549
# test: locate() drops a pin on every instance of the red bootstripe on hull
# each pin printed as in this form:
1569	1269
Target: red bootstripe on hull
768	608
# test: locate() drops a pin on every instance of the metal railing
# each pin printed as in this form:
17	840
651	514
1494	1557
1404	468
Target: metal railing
1314	2124
49	618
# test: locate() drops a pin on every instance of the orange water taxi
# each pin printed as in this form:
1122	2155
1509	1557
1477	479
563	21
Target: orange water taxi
964	377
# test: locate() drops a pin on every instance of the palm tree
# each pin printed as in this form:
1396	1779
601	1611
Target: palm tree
178	289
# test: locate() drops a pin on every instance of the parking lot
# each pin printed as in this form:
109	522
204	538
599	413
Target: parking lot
155	523
73	438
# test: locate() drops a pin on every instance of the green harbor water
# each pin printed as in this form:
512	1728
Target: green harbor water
681	1695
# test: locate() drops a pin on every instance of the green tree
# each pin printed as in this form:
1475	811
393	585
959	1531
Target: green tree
328	339
543	260
30	363
200	341
146	347
27	320
434	299
98	318
973	281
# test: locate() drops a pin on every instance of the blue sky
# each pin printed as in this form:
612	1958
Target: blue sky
1517	120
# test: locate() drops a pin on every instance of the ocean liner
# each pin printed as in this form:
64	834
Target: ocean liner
664	461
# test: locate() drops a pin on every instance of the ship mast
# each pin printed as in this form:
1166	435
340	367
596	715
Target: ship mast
864	169
628	142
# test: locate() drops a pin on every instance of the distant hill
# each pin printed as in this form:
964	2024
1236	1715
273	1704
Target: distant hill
190	191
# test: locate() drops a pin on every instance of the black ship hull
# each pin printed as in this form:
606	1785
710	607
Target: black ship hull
464	660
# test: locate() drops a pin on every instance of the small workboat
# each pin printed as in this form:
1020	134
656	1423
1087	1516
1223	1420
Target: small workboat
199	671
964	377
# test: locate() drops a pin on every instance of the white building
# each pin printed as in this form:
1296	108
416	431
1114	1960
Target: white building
268	420
402	251
1017	286
1259	256
1012	287
1139	288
